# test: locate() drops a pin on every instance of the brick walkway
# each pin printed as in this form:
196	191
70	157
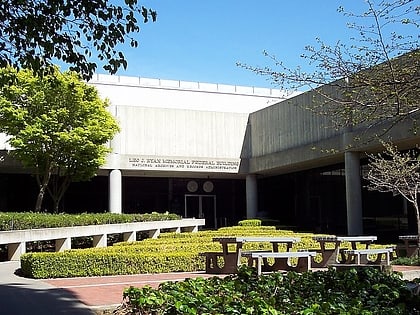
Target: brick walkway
100	292
108	290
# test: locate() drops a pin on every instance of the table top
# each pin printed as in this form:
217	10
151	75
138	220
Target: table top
408	237
345	238
243	239
357	238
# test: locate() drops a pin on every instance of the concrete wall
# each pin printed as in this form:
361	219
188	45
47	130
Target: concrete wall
288	137
287	125
163	120
176	132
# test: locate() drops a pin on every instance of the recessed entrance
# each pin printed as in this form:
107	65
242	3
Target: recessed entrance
203	207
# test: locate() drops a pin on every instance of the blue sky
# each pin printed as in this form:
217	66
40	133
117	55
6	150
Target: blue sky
198	40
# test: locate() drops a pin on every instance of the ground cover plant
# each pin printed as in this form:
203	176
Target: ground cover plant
365	291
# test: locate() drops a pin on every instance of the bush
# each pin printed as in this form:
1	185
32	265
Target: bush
166	246
353	292
33	220
91	262
407	261
250	222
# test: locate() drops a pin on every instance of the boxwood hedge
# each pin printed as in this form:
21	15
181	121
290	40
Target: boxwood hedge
34	220
169	253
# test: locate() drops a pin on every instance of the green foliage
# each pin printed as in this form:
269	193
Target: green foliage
93	262
407	261
354	292
182	250
58	127
34	33
250	222
31	220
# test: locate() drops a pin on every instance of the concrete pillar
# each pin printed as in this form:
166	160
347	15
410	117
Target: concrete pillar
353	193
251	196
15	250
62	244
100	240
115	191
154	233
130	236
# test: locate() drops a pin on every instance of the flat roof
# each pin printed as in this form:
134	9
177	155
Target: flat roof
190	86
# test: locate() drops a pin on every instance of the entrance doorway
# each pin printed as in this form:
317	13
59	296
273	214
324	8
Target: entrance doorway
203	207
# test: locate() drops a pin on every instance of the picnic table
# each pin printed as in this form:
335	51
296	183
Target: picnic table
337	254
410	246
226	261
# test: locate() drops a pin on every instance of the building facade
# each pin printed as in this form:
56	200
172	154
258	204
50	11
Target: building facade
225	153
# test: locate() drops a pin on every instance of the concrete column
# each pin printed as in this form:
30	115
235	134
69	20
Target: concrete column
100	240
353	193
251	196
62	244
154	233
129	236
115	191
15	250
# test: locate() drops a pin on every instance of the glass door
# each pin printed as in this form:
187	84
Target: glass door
202	207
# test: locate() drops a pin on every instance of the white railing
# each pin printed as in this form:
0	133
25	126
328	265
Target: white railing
16	240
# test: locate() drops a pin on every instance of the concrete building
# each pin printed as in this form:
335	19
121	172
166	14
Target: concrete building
185	139
225	153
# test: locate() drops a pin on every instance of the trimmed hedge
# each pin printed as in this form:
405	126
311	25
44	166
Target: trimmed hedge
88	262
250	222
33	220
169	253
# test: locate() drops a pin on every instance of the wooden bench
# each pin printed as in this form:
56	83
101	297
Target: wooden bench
361	256
281	260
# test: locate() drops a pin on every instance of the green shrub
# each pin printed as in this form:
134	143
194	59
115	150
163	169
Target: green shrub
250	222
365	291
88	262
33	220
407	261
167	247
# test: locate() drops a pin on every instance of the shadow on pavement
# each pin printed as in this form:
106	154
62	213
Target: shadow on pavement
17	299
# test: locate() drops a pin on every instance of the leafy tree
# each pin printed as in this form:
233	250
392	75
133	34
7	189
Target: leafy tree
57	125
35	33
373	78
396	172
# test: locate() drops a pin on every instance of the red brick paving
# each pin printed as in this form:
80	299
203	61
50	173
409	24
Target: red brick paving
108	290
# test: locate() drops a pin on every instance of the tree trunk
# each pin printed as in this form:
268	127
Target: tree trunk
42	188
416	207
60	184
41	193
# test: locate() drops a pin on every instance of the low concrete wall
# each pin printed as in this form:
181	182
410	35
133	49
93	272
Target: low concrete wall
16	240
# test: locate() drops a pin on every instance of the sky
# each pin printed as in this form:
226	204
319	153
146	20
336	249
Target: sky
199	40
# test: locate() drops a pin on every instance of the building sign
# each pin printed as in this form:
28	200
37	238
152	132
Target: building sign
182	164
